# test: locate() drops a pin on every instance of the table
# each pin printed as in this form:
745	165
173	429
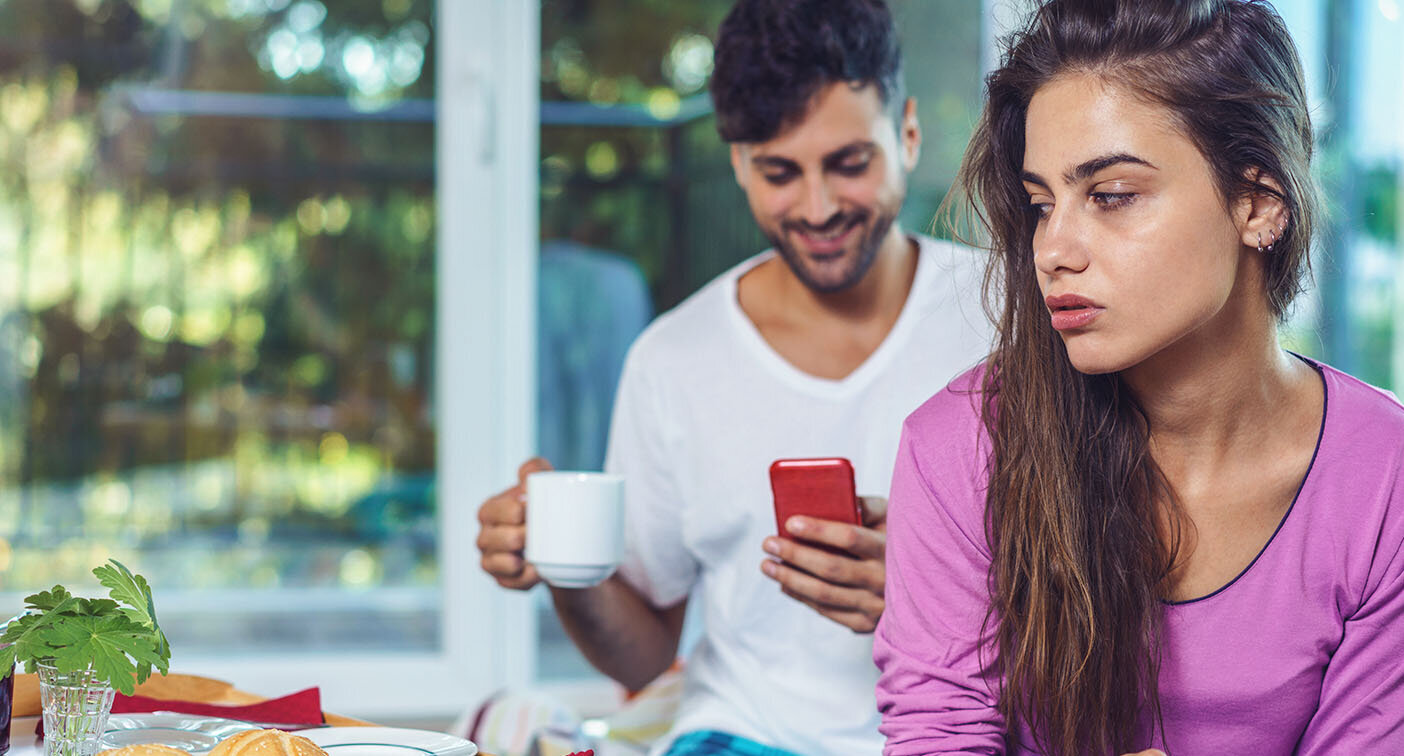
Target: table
169	687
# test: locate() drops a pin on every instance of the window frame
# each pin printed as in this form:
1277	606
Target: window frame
486	105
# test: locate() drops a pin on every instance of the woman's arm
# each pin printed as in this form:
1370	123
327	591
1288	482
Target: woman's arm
933	691
1362	695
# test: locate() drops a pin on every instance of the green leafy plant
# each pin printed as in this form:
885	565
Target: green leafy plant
117	638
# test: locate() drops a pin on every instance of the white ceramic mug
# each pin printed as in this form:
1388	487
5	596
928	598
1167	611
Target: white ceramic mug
574	526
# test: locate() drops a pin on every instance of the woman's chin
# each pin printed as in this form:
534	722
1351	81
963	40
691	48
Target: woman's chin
1095	361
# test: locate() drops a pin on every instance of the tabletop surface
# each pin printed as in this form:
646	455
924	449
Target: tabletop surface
23	741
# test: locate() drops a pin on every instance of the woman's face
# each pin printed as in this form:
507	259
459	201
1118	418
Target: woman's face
1134	248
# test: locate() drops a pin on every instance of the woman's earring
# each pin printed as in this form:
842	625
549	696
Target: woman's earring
1260	242
1273	236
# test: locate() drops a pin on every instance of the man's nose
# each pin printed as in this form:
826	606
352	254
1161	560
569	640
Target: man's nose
820	204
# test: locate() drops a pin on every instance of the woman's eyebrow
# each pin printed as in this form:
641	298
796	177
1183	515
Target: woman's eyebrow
1088	168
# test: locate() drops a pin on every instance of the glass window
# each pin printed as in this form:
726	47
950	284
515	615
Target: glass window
1353	317
217	293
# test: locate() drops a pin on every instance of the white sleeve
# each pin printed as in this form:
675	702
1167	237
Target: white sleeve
656	559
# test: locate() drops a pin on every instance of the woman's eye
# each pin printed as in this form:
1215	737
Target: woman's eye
1113	200
854	169
1041	209
778	179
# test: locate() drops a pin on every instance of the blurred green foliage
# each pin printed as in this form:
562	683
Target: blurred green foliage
215	332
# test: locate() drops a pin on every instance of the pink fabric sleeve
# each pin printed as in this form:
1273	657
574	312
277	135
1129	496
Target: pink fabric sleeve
932	691
1362	695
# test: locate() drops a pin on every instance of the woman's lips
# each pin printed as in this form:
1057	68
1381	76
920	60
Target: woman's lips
1067	320
1072	311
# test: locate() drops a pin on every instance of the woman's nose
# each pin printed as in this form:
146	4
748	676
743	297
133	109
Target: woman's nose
1058	244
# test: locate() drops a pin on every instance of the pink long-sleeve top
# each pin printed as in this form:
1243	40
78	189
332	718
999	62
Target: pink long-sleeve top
1302	653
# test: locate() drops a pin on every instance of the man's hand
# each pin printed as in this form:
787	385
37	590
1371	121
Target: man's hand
846	588
1148	752
503	533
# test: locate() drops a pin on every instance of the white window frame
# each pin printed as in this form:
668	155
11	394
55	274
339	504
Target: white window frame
485	396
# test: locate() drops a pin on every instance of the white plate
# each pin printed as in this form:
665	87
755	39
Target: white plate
190	732
387	741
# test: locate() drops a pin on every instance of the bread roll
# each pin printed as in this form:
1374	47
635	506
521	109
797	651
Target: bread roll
145	749
266	743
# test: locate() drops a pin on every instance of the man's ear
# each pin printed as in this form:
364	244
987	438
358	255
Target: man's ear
909	131
738	165
1261	214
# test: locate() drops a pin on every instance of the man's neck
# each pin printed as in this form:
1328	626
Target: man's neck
830	334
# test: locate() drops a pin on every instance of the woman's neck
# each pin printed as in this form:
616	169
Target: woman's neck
1221	395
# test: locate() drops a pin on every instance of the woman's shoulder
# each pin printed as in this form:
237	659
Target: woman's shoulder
1360	452
1358	404
956	405
950	425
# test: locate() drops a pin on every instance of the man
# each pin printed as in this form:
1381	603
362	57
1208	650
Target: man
818	348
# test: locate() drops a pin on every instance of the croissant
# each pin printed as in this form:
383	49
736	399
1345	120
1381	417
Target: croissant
266	743
144	749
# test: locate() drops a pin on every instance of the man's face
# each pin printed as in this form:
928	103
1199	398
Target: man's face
826	190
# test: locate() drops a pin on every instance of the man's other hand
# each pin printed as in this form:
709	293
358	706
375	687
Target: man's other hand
847	588
502	536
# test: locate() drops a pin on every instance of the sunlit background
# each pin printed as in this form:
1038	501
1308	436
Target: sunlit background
218	290
216	311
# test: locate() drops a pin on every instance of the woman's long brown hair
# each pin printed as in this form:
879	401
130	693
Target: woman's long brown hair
1081	522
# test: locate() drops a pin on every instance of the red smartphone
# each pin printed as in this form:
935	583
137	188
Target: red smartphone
819	488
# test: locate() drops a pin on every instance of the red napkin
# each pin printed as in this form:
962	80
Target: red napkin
300	708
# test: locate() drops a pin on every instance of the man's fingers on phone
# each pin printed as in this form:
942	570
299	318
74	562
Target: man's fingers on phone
856	621
831	568
874	511
821	592
864	543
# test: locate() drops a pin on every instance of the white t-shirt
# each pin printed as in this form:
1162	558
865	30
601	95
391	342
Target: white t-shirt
704	406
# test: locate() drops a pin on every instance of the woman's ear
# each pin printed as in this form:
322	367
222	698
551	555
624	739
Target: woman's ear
1261	214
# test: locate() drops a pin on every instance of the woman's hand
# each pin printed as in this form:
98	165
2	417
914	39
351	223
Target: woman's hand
1148	752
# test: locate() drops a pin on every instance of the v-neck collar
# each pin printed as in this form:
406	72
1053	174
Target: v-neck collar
861	376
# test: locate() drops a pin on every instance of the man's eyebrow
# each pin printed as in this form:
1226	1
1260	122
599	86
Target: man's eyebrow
837	157
849	151
771	161
1089	168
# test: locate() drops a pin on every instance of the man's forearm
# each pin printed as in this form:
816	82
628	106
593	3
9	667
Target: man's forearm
619	632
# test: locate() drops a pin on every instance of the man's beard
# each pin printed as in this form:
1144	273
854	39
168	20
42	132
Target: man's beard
868	247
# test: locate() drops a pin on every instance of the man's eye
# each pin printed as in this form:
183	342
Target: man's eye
778	179
852	169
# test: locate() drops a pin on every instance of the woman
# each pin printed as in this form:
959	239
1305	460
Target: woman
1143	523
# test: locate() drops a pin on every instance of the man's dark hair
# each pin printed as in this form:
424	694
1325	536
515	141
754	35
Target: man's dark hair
773	56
